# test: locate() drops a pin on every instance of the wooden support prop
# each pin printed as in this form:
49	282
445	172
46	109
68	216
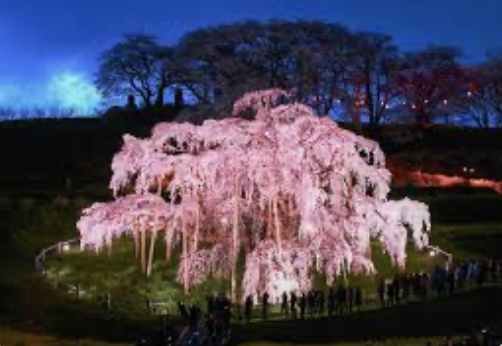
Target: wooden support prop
143	251
136	244
169	244
277	224
152	250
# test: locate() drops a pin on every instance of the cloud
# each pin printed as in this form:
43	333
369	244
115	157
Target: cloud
73	90
63	89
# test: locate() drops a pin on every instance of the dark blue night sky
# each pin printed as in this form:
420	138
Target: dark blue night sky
49	46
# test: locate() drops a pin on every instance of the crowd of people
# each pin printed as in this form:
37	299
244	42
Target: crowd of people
442	281
213	327
212	330
315	303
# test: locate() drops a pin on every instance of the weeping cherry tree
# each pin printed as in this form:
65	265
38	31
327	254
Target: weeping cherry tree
291	193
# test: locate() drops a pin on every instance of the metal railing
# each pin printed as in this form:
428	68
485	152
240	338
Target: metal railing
57	248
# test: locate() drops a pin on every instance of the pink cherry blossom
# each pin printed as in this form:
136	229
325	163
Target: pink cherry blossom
292	191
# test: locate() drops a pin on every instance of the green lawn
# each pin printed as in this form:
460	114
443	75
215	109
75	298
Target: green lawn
120	275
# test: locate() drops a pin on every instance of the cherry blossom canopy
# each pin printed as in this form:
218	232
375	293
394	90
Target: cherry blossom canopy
294	192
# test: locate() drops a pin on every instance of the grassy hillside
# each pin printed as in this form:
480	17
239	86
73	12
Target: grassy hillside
58	156
447	150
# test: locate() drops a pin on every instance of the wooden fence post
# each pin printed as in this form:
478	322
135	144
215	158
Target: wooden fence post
148	305
108	301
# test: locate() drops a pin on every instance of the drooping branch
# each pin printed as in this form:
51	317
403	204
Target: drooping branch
195	245
169	243
278	235
313	195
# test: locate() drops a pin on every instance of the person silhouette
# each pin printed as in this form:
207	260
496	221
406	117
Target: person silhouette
331	302
303	305
292	301
248	308
284	304
265	298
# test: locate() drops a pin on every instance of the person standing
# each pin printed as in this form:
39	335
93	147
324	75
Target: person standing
331	302
292	301
381	291
498	269
320	303
248	308
358	298
451	282
342	299
284	304
210	302
303	305
406	283
311	306
397	289
350	298
265	306
390	292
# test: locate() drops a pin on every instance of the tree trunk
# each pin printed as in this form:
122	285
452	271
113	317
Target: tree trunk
136	244
370	104
169	244
356	117
147	102
159	187
178	99
152	250
159	101
143	251
423	117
